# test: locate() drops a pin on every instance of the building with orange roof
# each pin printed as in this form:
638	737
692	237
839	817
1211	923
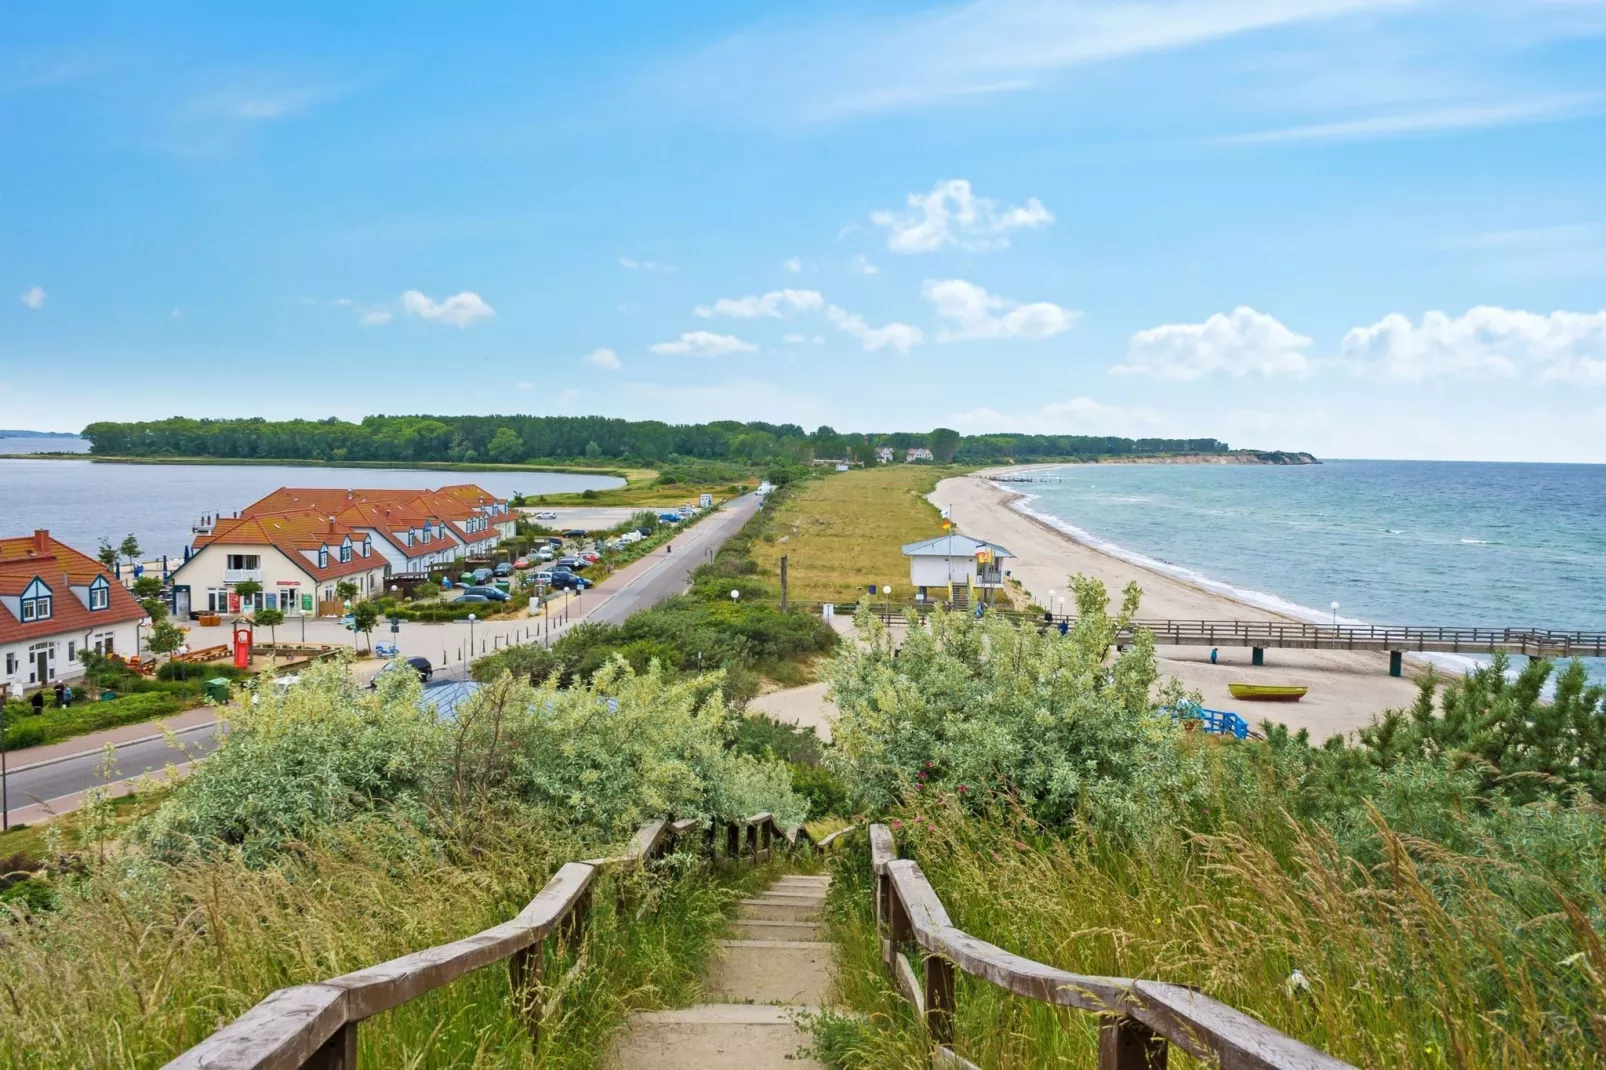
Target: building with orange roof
298	556
467	514
55	603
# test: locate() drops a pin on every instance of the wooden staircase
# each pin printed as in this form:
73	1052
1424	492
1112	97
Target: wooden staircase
773	966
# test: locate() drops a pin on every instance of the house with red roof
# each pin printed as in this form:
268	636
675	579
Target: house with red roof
299	556
55	603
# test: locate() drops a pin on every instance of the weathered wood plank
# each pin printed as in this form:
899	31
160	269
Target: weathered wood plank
760	819
833	837
647	840
882	849
1209	1029
1127	1044
280	1033
680	828
944	1059
908	983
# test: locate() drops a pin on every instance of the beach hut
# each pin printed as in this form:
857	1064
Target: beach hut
956	568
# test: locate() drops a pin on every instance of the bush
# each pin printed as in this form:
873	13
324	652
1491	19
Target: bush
84	716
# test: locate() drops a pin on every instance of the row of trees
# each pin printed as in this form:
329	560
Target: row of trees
521	439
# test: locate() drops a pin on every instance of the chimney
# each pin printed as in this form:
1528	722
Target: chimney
331	525
41	541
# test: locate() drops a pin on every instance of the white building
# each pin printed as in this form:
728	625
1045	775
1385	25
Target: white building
297	557
55	603
917	453
883	455
950	567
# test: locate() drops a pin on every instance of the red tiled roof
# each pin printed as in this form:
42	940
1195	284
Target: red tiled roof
61	568
293	532
454	503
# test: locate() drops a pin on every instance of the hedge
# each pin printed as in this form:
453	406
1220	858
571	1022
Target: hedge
26	730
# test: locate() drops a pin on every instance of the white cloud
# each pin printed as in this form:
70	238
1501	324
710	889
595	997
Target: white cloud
460	310
951	214
703	344
1485	343
606	359
861	266
794	339
1433	120
776	303
1237	344
644	265
1076	416
374	317
524	384
34	297
792	266
980	314
899	337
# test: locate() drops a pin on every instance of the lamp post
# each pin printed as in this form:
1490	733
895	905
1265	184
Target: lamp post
1051	601
470	638
736	596
5	801
1335	614
886	589
353	625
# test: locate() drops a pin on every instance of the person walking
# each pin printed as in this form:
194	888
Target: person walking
66	696
38	702
1213	653
61	694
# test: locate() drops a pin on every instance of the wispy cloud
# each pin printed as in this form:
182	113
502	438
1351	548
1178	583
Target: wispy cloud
703	344
789	70
459	310
605	359
265	100
34	297
1427	121
632	264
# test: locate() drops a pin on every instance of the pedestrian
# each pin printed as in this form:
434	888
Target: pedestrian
1065	627
61	694
1212	655
66	695
38	702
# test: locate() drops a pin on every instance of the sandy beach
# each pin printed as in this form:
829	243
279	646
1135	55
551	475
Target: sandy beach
1346	689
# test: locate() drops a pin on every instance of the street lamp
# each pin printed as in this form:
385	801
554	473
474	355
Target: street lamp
736	596
5	801
352	623
1051	601
886	589
470	636
1335	614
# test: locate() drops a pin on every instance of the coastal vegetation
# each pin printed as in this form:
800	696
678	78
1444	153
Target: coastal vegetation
336	827
1430	894
592	440
845	532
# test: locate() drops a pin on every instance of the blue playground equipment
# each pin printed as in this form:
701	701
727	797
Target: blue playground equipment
1219	722
385	650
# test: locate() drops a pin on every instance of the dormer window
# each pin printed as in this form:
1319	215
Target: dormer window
100	594
345	550
365	547
36	602
323	556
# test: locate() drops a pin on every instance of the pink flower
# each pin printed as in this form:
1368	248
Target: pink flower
897	824
961	787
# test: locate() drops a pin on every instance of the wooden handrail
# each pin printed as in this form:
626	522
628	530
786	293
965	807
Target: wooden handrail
1140	1018
314	1026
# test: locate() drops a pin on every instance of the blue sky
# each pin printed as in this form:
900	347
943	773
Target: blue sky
1360	227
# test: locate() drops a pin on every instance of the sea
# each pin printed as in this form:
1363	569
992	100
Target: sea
1392	542
82	502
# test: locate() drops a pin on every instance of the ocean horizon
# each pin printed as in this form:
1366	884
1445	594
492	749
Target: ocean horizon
1440	543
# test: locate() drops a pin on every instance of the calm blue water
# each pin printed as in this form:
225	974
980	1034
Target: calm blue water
31	444
1393	542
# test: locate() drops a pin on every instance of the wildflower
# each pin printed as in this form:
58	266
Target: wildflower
961	789
897	824
930	763
1296	985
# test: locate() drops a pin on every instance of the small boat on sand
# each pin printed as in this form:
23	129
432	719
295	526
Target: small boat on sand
1267	692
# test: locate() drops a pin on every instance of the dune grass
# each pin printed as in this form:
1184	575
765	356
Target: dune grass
134	968
1395	977
844	532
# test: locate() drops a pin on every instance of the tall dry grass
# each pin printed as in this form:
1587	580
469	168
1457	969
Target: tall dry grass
142	961
1425	958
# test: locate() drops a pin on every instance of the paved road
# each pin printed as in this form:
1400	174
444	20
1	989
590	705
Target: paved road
668	576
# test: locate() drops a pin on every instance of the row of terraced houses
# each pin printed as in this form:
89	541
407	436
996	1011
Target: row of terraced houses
299	543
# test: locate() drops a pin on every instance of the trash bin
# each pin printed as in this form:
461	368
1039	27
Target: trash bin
216	689
108	695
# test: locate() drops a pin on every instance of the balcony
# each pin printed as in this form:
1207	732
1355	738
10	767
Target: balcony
240	575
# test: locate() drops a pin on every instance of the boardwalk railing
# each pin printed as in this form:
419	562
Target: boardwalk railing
1139	1019
314	1026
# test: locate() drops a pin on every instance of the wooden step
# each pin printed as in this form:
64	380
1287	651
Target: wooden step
772	910
713	1036
772	971
748	929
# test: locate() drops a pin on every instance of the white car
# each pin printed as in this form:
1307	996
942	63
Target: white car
546	515
545	555
630	537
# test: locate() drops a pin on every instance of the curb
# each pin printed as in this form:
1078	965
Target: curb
13	769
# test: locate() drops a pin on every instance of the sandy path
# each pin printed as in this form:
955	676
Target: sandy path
1346	689
806	707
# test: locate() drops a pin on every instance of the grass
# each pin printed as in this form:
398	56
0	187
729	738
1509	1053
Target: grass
845	531
132	971
1396	979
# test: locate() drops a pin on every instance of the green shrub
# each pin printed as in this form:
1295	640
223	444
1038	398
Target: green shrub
85	716
826	795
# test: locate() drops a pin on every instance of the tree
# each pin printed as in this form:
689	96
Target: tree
593	451
505	446
165	637
130	549
364	615
345	590
146	587
944	443
107	554
247	590
271	619
154	608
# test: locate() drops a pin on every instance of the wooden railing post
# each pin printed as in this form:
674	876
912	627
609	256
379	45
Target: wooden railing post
524	972
940	1000
572	930
711	841
1127	1044
733	842
768	836
752	843
339	1052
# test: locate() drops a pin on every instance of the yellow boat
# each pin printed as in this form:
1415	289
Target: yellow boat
1267	692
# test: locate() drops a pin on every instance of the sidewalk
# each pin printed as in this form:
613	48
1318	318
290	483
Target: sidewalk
94	742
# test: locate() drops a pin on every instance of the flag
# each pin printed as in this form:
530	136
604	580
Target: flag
947	525
984	555
947	511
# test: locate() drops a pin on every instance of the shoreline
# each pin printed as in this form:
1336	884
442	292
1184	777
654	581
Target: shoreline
1347	689
625	474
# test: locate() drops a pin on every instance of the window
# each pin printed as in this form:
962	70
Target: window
72	650
36	601
217	600
100	594
105	643
345	550
11	663
323	556
245	561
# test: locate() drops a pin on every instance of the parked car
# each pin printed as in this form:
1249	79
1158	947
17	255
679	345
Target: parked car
482	575
568	580
669	518
629	537
545	553
546	514
572	562
523	562
591	556
489	592
473	598
419	665
503	569
543	577
575	533
554	541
